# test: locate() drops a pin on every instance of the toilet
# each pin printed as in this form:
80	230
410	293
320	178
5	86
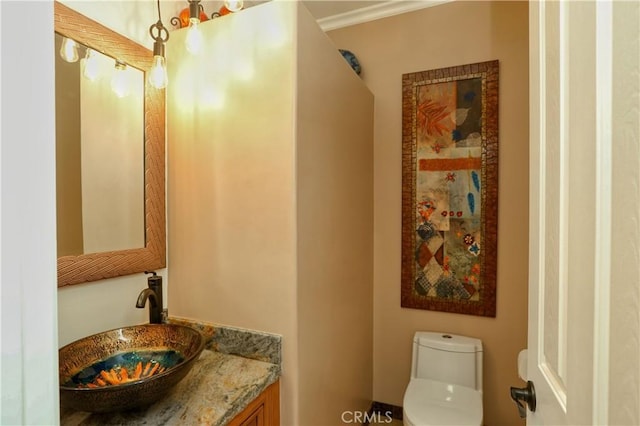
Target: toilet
446	381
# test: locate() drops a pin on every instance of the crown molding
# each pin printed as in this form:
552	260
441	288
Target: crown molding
377	11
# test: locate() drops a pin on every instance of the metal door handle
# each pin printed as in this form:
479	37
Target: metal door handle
526	395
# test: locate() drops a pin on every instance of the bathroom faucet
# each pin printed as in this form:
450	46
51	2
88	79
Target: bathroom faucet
154	294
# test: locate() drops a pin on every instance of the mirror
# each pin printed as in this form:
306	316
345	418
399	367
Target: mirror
99	152
110	167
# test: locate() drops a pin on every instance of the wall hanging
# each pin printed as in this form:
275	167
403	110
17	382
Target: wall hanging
450	189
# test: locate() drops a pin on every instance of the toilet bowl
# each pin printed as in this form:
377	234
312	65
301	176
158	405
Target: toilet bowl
446	381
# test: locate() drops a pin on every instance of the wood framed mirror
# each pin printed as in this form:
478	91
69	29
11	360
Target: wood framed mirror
151	253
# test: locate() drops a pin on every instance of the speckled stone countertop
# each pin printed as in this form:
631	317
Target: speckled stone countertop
218	387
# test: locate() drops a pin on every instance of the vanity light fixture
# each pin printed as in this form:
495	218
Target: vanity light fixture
160	35
69	50
120	80
191	17
90	65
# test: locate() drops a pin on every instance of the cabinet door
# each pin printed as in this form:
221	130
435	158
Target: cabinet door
256	418
262	411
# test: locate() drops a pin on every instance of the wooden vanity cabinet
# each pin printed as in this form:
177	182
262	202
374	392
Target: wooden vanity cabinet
262	411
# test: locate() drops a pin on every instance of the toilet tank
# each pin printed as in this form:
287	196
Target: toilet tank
447	358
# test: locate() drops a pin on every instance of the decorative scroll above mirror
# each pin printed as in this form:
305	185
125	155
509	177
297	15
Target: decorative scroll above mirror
80	268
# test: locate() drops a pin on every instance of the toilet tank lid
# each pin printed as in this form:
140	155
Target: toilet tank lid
448	342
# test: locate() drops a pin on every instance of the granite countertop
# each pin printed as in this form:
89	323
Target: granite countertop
218	387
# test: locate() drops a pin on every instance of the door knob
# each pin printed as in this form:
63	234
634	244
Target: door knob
526	395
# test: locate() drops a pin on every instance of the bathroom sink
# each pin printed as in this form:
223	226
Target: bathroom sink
127	367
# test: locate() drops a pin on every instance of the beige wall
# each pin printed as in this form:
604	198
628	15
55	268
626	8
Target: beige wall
231	185
451	34
266	176
90	308
335	231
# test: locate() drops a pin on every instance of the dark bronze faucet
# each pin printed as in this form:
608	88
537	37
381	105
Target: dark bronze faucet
154	294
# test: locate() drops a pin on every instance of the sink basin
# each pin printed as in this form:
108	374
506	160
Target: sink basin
127	367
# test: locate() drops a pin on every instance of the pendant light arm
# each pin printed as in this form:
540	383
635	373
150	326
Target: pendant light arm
194	9
161	34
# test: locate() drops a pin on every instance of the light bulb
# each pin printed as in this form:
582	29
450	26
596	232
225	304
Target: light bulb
120	80
90	65
69	50
233	5
158	73
193	40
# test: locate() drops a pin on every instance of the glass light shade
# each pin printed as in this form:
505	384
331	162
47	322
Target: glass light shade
69	50
158	73
91	66
193	40
120	81
234	5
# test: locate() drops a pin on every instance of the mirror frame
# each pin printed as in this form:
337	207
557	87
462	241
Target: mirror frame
97	266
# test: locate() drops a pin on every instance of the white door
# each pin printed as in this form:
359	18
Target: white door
584	280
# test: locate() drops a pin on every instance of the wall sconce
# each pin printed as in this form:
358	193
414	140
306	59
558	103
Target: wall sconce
194	14
120	80
158	73
90	65
93	66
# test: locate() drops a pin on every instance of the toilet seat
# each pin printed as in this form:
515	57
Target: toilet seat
429	402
